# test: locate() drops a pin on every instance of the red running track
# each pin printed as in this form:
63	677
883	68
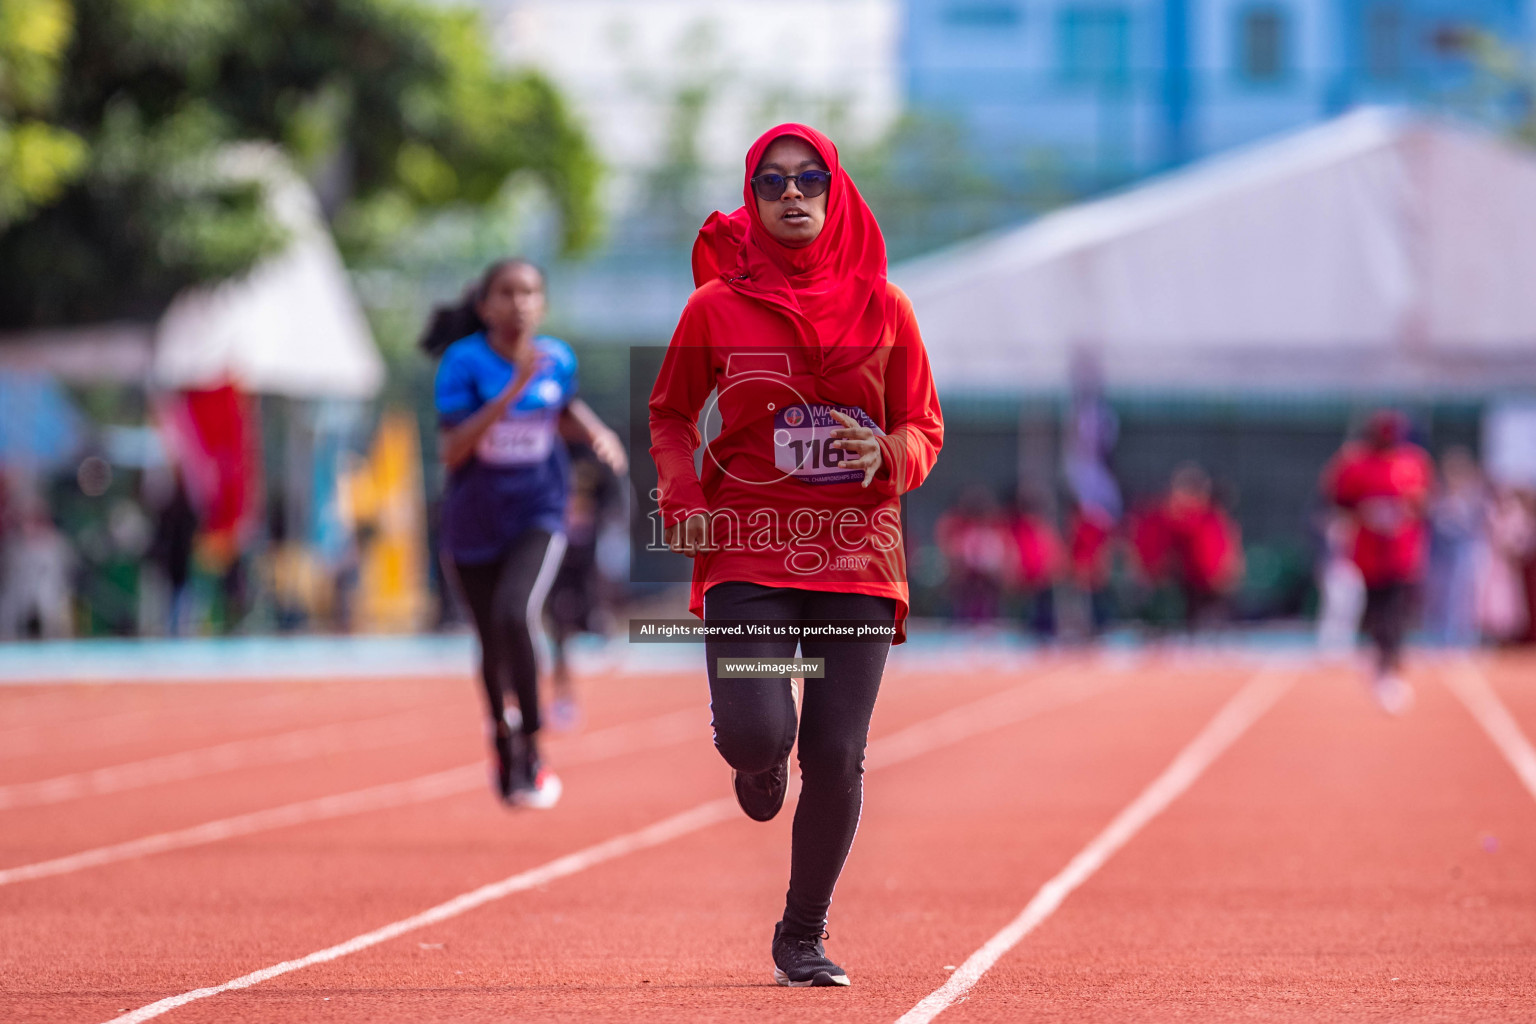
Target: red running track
1324	862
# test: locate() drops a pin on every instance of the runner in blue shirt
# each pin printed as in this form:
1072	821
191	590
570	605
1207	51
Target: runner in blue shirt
506	400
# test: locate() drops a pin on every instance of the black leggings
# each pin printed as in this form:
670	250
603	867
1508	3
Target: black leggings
1389	613
506	599
754	722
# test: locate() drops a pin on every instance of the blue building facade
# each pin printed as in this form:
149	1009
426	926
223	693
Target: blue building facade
1112	89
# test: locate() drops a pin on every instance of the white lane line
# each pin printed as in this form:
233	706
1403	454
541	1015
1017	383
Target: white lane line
979	716
112	728
1471	687
258	751
675	727
59	736
395	794
653	835
1246	707
1055	688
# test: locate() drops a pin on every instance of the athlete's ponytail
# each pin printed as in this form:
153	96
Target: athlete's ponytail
448	323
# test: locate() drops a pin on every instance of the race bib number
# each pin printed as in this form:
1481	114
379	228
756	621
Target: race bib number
519	441
802	443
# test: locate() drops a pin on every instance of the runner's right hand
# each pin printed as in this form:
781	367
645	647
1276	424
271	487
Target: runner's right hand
528	363
689	537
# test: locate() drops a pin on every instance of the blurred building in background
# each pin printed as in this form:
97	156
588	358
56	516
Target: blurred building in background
1113	89
961	116
1377	253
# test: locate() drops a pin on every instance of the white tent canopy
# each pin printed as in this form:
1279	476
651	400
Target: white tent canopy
292	326
1375	252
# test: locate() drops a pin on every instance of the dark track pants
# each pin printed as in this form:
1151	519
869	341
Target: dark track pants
1389	614
506	600
755	726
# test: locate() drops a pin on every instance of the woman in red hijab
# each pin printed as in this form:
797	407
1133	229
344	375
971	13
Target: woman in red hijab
826	413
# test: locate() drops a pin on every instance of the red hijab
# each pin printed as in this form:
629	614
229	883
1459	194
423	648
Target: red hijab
833	288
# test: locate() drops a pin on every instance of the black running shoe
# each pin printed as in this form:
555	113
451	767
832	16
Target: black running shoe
512	757
537	787
761	794
799	961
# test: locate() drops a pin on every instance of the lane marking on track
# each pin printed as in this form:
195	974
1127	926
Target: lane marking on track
652	835
615	741
1241	711
1472	688
375	798
270	710
1057	687
989	713
663	730
100	730
257	751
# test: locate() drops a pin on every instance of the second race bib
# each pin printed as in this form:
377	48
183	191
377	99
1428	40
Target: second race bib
517	441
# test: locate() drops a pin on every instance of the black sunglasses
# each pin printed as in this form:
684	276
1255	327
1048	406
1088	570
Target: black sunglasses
771	186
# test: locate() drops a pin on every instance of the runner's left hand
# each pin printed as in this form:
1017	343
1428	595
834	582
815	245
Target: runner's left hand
859	440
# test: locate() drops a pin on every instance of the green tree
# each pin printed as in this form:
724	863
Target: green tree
1503	84
395	109
38	160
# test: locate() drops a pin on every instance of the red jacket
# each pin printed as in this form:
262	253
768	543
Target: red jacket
1040	552
782	514
1088	546
1206	545
1385	490
1196	544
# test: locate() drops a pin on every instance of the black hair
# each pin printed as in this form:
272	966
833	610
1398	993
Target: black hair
448	323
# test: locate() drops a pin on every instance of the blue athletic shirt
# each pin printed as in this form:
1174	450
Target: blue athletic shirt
519	476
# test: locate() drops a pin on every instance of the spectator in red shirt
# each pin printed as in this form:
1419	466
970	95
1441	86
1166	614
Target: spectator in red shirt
1383	483
977	546
1038	561
1088	537
1191	542
1090	549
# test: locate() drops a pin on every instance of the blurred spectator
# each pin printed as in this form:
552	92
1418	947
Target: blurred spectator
1038	566
7	524
1503	606
1382	483
1090	536
355	507
1528	565
1341	588
170	550
1457	518
1190	541
292	577
974	539
575	600
1088	440
1092	430
35	568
